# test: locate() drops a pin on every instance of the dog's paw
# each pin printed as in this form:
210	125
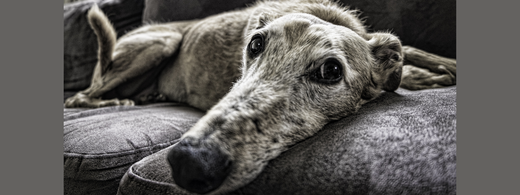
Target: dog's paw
114	102
83	101
415	78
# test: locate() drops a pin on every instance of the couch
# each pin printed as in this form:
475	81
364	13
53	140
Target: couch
403	142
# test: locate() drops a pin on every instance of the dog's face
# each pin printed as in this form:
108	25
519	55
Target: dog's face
299	73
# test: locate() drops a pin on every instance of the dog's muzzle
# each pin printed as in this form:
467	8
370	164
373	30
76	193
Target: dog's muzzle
198	168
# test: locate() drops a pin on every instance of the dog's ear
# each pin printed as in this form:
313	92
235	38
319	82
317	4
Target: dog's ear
263	20
387	50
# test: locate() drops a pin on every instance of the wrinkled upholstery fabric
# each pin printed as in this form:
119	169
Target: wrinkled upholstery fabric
100	144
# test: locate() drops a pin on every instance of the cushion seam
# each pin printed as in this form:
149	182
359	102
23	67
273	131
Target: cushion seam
116	154
139	181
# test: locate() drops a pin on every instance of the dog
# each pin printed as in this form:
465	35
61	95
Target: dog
269	75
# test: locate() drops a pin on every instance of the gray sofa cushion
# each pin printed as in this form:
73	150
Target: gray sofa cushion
401	143
100	144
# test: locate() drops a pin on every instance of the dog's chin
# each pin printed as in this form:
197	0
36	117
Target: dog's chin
243	172
238	179
231	184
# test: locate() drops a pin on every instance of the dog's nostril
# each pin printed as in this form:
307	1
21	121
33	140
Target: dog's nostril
227	163
198	169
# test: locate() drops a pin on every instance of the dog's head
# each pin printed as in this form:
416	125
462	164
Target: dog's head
299	72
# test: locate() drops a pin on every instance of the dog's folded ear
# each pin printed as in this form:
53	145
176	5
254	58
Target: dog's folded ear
387	50
261	19
264	19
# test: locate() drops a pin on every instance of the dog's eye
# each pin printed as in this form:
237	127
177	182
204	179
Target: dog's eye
256	45
328	73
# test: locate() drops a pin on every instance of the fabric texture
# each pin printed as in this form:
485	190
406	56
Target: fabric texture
401	143
100	144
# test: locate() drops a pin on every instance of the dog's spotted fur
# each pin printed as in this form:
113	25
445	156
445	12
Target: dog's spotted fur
258	105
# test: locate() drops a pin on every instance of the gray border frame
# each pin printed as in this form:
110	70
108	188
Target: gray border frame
487	138
31	78
32	73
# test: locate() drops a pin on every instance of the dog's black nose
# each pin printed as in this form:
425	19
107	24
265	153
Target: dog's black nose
198	168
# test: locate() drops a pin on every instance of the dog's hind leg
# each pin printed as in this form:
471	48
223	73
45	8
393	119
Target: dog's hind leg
130	63
423	70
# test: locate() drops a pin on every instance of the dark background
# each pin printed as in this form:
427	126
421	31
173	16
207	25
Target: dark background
485	164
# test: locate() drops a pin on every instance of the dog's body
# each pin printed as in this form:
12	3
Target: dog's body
269	75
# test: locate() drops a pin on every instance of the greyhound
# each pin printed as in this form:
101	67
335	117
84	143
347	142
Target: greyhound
269	75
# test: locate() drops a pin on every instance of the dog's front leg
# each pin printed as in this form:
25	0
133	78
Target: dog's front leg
425	70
